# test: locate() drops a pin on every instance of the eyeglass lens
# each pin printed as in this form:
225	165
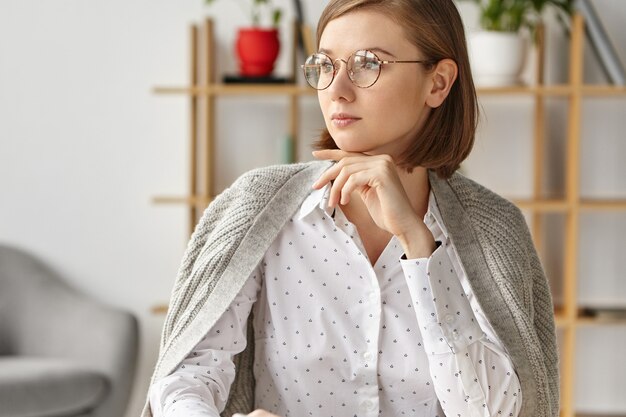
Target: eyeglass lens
363	69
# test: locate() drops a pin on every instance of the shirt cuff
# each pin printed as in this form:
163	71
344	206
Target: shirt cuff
190	406
443	311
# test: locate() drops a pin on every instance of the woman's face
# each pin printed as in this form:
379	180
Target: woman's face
386	117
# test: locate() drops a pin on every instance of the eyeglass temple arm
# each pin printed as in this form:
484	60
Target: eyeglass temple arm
406	62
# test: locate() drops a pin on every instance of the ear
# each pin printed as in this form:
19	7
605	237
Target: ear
442	76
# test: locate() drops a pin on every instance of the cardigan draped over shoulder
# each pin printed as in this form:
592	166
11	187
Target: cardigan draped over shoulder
489	232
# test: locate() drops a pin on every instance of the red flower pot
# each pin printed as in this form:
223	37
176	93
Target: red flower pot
257	50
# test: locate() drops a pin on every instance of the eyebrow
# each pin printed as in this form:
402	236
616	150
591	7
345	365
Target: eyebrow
374	49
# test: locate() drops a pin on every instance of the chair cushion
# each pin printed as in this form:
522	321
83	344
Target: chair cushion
46	387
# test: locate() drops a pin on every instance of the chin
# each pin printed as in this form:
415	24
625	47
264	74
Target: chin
356	147
349	143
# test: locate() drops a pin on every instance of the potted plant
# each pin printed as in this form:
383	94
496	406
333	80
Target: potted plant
258	46
497	52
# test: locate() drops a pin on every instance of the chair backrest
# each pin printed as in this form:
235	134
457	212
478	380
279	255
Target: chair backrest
26	288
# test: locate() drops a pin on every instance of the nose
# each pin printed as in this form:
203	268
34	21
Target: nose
341	88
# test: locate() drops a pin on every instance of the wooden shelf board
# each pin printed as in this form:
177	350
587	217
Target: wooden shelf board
547	90
556	90
560	320
603	90
602	205
561	205
600	321
159	309
238	90
556	205
584	318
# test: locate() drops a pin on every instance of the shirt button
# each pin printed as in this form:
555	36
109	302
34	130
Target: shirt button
367	356
367	405
373	296
455	335
449	318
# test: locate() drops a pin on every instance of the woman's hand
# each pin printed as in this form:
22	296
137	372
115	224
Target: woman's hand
375	179
256	413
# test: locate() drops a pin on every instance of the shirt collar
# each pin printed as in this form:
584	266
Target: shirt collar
317	198
434	216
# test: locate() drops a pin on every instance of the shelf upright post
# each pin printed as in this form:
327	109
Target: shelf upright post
572	182
208	169
539	135
294	111
193	127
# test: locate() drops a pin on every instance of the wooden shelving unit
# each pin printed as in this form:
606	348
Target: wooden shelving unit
569	315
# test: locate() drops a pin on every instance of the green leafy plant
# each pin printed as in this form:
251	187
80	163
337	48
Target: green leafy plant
253	9
512	15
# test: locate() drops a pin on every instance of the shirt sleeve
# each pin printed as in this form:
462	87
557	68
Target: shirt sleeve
472	376
199	387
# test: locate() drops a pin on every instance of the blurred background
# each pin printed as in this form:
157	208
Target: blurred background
86	144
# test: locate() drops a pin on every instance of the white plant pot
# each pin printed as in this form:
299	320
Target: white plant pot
497	58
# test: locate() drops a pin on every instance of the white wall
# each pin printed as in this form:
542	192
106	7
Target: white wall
85	145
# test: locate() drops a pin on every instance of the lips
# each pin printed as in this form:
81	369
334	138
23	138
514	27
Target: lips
344	116
343	119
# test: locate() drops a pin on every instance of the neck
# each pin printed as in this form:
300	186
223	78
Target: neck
417	188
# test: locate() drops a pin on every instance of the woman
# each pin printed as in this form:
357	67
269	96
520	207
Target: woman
377	281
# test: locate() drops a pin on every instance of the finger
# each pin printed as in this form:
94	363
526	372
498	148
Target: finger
357	181
371	172
336	191
332	172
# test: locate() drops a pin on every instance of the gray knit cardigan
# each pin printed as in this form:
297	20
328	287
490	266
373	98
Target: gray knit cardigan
490	235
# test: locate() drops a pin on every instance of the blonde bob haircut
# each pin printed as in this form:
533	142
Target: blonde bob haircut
436	29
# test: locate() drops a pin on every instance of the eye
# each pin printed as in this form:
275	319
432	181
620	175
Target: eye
364	61
326	68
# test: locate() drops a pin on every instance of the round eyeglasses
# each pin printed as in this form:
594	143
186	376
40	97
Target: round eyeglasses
363	68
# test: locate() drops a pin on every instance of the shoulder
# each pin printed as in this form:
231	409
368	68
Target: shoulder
483	204
495	220
257	188
272	178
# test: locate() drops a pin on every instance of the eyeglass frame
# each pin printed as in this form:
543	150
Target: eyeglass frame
335	69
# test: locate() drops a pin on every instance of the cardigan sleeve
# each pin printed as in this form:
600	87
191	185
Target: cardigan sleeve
181	291
545	328
542	317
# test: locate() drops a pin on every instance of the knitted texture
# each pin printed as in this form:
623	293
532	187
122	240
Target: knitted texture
490	235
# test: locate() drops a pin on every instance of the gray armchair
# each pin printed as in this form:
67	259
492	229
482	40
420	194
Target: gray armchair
61	354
